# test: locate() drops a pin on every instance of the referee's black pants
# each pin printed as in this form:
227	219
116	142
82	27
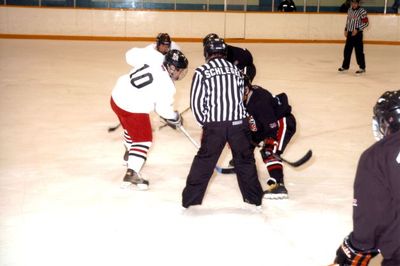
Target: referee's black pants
357	43
215	136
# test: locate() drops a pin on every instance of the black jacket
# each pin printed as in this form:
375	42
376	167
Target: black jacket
376	206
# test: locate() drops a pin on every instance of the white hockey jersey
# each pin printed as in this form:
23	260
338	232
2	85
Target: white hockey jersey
148	87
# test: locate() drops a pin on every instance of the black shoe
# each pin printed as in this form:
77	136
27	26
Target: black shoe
275	190
342	69
133	178
360	71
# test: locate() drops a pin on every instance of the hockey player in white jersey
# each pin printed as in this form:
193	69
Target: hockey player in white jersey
162	45
148	87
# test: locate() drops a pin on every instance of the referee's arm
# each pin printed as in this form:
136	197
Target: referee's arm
197	95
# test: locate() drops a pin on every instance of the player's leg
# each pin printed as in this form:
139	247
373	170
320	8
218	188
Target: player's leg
276	185
138	129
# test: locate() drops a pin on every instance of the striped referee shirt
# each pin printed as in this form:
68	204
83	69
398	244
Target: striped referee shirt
217	92
356	19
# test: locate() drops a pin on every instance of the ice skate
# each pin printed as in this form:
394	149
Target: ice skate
275	190
360	71
132	179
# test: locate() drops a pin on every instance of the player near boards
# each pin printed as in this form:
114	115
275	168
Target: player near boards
148	87
162	45
357	21
287	6
376	204
240	57
273	125
216	100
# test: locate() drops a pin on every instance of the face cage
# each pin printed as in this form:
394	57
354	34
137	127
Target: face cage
380	128
376	130
177	73
163	48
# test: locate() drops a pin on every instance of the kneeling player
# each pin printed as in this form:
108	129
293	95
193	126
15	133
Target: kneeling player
273	125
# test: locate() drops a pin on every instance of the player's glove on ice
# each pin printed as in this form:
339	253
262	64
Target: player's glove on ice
174	123
348	255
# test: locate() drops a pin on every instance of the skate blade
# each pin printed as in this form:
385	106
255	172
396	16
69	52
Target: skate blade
276	196
129	185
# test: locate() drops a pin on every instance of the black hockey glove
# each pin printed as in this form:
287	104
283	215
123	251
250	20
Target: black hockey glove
174	123
347	255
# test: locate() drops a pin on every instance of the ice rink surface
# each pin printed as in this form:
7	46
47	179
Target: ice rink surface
60	170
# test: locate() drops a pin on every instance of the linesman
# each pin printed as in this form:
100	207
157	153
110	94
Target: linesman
357	21
216	100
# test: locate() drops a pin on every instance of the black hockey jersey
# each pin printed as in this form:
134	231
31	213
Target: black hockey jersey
265	110
376	205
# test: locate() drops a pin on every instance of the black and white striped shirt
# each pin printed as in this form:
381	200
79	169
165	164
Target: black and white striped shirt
217	92
356	19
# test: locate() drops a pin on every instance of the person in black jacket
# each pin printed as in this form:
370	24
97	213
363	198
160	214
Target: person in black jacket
287	6
345	6
376	204
273	125
240	57
216	100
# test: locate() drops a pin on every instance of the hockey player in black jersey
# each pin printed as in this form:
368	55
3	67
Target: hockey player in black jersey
376	204
273	125
240	57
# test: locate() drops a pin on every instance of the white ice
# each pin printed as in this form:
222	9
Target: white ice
60	170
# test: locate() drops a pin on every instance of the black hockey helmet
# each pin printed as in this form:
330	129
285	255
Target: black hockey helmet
209	37
216	47
163	38
176	63
387	113
247	81
250	71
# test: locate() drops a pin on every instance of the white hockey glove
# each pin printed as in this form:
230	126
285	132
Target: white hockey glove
174	123
347	255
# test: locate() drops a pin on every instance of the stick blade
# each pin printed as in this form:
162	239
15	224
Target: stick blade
223	170
112	129
301	161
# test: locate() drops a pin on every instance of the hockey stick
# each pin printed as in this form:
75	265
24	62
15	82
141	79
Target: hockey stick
181	113
299	162
183	130
111	129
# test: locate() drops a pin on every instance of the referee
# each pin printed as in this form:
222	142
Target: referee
357	21
216	100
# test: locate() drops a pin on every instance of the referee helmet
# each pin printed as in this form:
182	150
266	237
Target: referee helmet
215	48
